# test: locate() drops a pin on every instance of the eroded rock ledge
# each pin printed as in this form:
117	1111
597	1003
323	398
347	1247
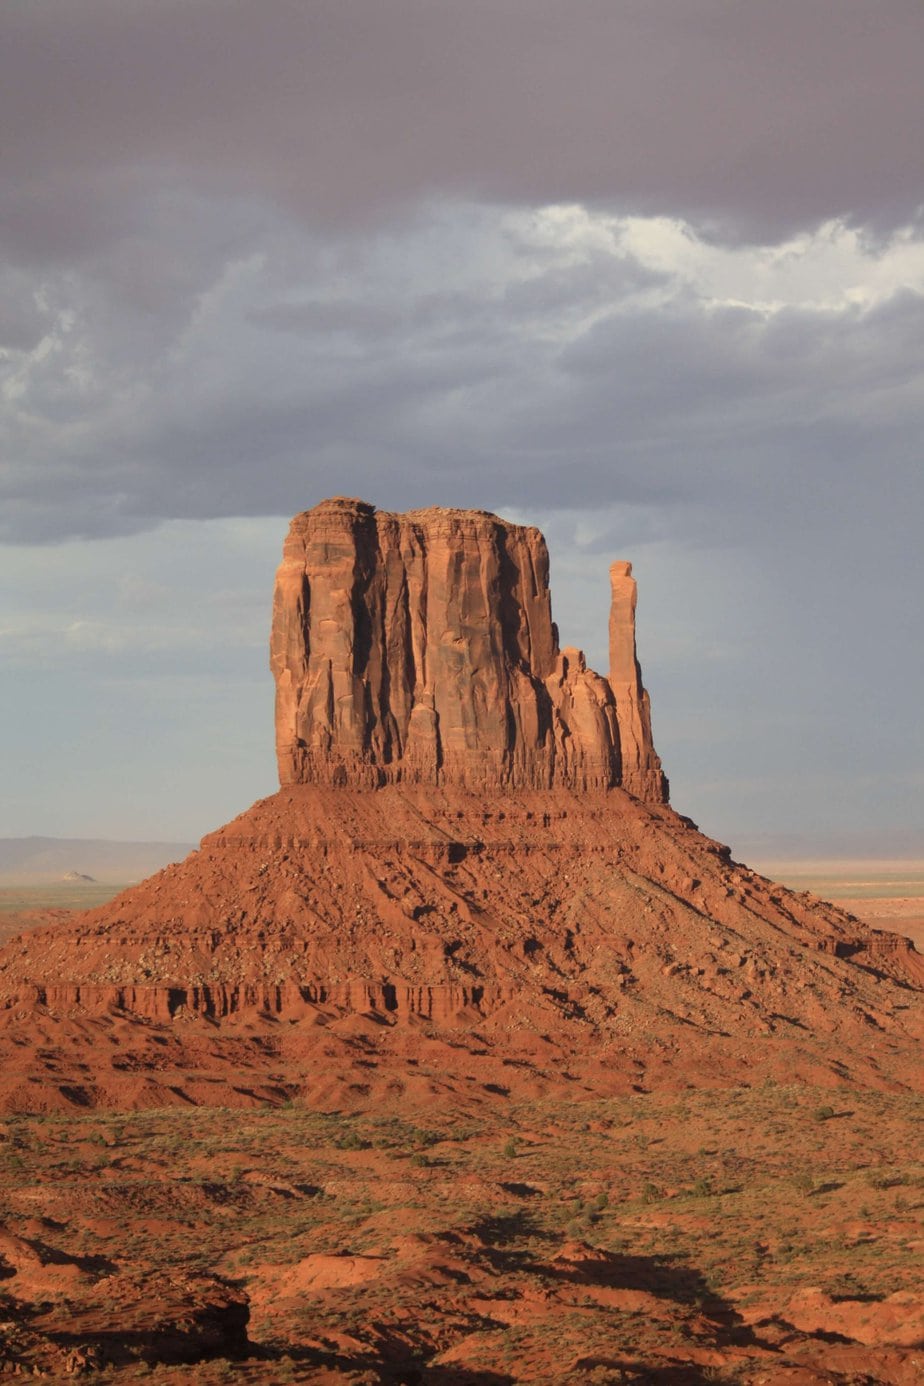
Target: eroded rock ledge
420	648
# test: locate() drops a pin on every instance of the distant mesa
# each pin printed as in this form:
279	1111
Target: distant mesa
470	884
50	861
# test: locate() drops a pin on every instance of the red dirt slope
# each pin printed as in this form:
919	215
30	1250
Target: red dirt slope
415	939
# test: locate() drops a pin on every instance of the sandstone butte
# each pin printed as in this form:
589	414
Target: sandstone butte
469	885
420	649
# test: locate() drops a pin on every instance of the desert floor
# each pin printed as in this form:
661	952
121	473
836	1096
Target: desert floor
753	1235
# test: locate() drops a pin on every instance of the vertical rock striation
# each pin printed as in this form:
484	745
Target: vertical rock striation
641	768
420	648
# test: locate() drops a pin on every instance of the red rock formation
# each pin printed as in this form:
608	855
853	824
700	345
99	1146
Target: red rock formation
641	769
335	944
391	908
420	648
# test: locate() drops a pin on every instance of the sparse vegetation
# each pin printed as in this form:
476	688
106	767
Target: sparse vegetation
704	1205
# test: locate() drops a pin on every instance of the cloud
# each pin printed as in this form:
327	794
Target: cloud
469	353
187	599
752	119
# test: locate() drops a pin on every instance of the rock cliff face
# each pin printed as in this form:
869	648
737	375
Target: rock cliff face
420	648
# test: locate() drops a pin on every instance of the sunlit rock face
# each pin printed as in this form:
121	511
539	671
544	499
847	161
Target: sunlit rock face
641	768
420	648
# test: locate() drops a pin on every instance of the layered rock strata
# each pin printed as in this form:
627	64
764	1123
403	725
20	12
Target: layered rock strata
347	946
420	648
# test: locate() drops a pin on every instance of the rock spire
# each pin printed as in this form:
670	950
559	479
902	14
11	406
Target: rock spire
420	648
641	768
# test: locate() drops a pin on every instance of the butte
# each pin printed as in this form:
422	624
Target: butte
470	884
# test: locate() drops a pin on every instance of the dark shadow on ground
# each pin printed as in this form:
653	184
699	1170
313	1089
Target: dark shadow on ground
582	1264
407	1372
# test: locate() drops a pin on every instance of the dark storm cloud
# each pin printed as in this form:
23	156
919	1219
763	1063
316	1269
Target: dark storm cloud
23	322
556	382
751	118
219	321
164	158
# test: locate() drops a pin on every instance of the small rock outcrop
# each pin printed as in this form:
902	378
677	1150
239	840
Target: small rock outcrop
420	649
64	1318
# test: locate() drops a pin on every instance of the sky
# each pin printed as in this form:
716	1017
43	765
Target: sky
648	274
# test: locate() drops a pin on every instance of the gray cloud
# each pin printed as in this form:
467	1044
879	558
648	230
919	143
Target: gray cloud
217	320
261	382
750	119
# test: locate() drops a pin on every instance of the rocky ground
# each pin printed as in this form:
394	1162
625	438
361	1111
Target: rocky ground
339	947
742	1235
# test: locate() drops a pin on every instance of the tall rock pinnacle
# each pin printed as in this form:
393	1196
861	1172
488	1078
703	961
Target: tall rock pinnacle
420	648
641	768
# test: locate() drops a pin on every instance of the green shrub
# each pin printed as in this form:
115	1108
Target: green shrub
350	1140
